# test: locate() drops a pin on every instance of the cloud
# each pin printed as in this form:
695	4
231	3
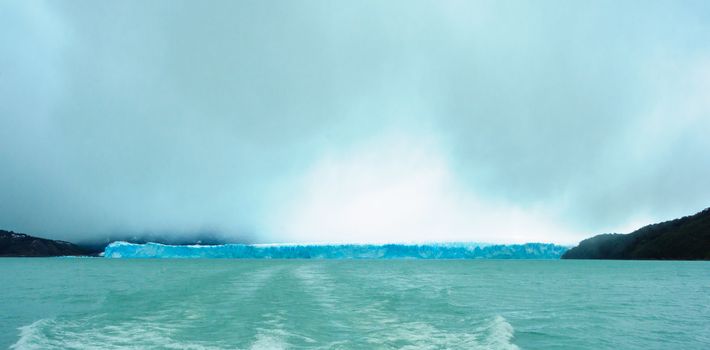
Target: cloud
399	187
500	122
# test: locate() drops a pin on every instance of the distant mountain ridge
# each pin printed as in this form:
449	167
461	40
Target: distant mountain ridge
22	245
687	238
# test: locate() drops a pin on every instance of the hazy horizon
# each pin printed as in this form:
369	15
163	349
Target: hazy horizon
480	121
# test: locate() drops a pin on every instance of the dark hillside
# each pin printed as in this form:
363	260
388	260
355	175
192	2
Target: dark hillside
19	244
687	238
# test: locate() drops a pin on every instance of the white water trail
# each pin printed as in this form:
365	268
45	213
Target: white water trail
498	335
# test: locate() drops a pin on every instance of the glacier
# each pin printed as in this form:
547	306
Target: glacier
337	251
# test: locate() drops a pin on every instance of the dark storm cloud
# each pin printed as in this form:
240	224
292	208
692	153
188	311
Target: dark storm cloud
179	117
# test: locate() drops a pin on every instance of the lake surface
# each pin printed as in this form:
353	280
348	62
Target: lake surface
95	303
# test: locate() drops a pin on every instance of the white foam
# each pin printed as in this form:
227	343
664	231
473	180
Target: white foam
268	341
498	335
31	336
52	334
383	329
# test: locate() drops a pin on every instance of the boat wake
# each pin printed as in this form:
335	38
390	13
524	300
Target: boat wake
496	334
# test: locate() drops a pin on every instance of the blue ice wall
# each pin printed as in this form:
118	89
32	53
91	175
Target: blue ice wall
337	251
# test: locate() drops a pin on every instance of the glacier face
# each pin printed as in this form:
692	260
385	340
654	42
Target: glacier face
338	251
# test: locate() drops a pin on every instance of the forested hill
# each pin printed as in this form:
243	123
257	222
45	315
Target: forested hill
20	244
687	238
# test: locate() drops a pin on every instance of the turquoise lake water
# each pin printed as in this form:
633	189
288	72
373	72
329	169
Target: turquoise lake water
95	303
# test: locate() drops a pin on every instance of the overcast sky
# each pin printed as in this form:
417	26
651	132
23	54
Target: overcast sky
352	121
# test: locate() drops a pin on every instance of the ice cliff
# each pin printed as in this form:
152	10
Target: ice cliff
337	251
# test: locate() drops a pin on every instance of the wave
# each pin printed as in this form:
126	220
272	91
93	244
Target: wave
498	334
337	251
82	334
495	334
31	336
